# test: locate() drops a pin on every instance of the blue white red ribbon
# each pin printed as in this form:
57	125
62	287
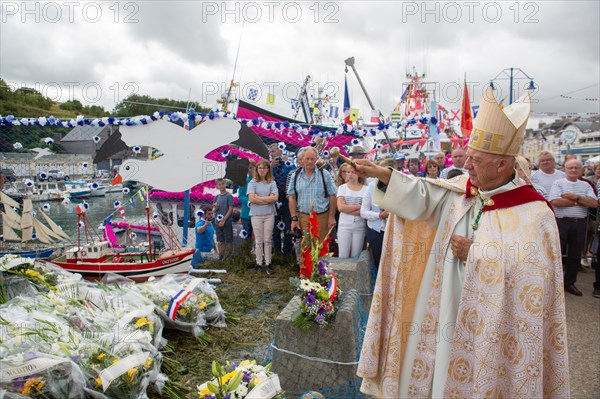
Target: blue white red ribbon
332	287
176	302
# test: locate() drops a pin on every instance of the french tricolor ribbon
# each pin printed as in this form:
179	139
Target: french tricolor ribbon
332	287
176	302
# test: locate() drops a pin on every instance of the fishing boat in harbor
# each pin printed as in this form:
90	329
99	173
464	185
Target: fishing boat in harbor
78	189
93	257
26	236
36	192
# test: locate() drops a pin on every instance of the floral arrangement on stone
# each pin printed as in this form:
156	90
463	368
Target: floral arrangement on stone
317	284
246	380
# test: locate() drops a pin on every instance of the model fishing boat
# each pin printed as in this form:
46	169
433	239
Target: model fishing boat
95	256
26	236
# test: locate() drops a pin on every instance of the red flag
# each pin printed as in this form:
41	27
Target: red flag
466	114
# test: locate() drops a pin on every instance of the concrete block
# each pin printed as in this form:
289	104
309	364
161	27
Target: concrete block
321	359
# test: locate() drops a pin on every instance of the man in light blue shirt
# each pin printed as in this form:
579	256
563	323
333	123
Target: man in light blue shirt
312	189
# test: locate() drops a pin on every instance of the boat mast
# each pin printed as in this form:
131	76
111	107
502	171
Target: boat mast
149	237
149	234
350	63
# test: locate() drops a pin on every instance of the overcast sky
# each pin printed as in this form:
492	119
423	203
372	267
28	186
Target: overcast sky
100	52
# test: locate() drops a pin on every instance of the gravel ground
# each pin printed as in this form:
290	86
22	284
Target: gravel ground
583	334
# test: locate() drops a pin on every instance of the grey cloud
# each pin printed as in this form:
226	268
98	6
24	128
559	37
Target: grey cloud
179	26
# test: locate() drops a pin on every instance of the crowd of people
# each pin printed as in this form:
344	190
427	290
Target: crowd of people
477	251
279	195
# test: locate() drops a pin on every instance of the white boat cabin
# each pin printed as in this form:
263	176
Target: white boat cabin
90	251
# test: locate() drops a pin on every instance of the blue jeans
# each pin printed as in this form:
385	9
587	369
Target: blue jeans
197	258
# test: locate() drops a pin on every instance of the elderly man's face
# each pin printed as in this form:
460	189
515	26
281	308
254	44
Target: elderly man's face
439	158
358	156
546	163
484	169
309	160
573	170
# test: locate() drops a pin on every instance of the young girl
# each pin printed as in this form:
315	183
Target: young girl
351	227
263	193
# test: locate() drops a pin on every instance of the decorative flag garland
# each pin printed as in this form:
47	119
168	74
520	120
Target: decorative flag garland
11	120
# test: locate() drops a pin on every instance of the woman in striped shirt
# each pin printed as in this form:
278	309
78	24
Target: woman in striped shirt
351	227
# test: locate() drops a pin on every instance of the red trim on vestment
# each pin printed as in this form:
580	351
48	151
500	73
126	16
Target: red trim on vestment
518	196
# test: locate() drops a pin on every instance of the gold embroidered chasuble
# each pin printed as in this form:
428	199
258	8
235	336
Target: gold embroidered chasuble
491	327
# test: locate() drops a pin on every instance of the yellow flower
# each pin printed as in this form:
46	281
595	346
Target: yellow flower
204	390
202	305
98	382
101	356
116	360
33	274
33	386
225	379
148	363
182	311
142	322
131	373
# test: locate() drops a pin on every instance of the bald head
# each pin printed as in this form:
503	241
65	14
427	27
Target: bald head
458	157
573	170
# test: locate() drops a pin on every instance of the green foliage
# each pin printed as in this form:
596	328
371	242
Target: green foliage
137	104
94	110
74	105
28	102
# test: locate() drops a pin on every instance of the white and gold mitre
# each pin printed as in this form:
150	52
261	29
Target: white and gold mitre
499	130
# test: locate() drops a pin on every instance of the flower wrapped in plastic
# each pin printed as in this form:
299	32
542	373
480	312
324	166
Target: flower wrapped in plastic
246	380
317	284
18	273
39	375
120	372
185	303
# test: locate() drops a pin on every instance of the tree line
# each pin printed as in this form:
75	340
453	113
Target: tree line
28	102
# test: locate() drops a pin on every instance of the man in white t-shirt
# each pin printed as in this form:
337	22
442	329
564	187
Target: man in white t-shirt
571	199
547	174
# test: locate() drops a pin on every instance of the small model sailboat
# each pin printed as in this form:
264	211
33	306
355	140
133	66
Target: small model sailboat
30	230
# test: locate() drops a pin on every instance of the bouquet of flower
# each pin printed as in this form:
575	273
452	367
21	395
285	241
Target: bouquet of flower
245	380
28	272
118	374
185	303
38	375
318	283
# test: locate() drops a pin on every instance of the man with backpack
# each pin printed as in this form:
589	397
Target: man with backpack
312	188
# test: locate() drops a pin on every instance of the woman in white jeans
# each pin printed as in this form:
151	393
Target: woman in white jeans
351	227
263	193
